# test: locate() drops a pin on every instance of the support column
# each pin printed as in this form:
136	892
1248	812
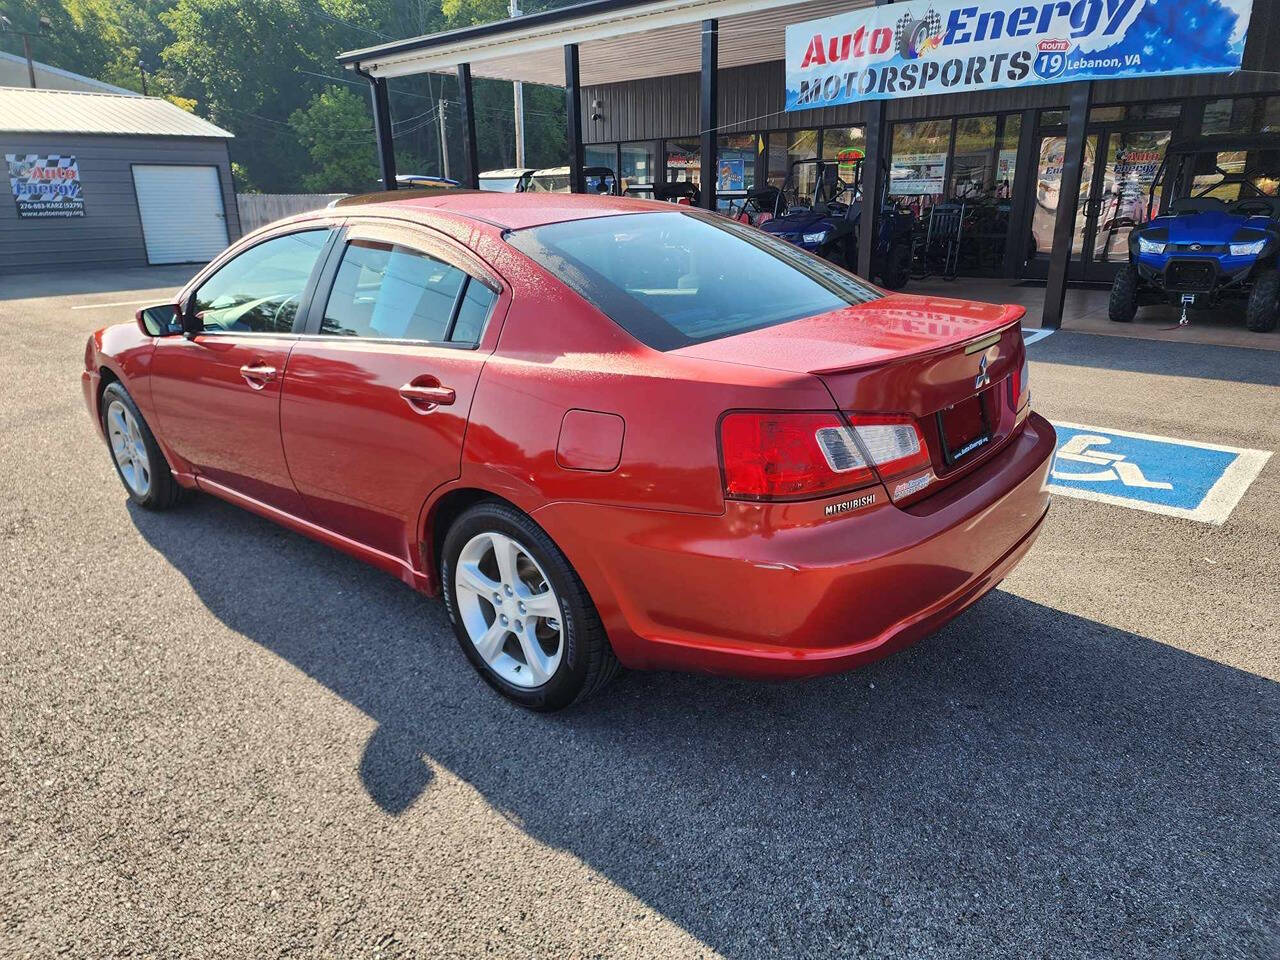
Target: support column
1022	194
873	185
1055	293
382	128
466	101
708	104
573	116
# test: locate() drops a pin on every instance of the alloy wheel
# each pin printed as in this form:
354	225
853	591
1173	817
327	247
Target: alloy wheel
509	609
129	449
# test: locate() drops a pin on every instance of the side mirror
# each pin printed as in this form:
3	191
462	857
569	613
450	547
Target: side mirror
158	321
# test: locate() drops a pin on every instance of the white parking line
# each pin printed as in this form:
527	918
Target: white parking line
1030	336
124	303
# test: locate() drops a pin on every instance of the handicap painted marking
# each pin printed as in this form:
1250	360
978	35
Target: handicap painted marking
1034	335
1177	478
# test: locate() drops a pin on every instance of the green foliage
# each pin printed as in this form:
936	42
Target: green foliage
336	131
265	70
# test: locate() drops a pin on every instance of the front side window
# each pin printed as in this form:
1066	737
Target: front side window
259	291
674	279
385	290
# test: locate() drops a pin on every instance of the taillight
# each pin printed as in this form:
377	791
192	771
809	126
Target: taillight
894	444
789	456
1020	385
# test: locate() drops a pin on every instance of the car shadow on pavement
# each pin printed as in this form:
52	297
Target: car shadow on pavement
1024	783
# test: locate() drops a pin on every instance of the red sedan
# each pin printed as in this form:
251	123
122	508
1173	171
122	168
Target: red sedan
610	432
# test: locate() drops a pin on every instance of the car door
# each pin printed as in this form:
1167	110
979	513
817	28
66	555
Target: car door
376	396
217	394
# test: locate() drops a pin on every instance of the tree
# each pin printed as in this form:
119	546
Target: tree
336	130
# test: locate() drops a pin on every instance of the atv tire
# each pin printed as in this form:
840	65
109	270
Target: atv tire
1264	300
898	269
1122	306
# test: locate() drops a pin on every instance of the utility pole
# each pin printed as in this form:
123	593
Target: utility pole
444	147
46	26
519	103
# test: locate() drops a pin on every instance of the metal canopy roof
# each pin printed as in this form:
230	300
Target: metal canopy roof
618	40
65	111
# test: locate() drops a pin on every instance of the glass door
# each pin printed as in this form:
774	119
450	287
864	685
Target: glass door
1119	167
1050	153
1129	162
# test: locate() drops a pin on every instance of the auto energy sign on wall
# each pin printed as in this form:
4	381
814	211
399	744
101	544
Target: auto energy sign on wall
914	48
45	186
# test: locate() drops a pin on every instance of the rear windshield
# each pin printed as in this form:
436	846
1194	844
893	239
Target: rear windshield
674	279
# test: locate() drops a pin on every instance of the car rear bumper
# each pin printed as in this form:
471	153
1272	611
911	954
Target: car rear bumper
754	592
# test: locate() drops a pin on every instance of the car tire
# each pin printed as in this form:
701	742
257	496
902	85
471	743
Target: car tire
543	661
139	462
1122	306
1264	300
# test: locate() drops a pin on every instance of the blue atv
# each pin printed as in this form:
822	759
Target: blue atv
1217	236
824	218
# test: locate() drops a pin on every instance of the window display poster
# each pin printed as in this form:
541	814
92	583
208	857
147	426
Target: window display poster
45	185
732	175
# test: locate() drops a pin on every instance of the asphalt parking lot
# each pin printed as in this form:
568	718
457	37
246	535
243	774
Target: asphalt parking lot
223	740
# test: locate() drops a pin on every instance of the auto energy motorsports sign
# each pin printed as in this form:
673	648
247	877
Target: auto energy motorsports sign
913	49
45	186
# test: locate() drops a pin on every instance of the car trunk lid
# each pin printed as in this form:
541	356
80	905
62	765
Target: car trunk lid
942	363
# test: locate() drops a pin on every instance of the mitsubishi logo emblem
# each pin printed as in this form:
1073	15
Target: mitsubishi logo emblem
983	378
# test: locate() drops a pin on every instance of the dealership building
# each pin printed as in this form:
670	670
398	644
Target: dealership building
105	178
1047	120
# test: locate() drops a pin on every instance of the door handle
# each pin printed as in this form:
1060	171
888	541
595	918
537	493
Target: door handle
258	374
425	397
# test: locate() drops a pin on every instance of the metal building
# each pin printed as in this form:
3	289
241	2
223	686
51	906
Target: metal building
110	180
664	90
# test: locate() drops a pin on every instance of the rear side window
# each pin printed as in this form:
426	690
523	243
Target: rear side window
385	290
674	279
259	291
473	312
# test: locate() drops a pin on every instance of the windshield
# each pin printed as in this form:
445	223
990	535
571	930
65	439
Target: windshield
549	183
674	279
499	184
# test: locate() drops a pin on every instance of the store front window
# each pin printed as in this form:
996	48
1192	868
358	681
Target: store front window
786	147
684	161
847	146
639	161
1242	115
918	163
973	165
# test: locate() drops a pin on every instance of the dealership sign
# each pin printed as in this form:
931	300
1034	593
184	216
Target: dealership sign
45	186
917	48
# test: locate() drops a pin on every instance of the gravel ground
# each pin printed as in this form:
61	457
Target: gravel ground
223	740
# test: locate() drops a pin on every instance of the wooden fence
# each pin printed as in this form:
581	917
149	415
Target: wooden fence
257	209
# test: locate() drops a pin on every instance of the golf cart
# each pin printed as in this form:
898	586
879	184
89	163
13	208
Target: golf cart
823	218
515	180
556	180
1217	235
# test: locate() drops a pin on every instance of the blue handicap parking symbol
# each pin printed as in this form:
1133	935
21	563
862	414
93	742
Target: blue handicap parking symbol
1199	481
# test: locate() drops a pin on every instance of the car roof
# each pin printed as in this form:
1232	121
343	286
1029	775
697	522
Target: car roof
515	211
512	172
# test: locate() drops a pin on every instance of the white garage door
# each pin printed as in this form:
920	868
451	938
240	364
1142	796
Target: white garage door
183	220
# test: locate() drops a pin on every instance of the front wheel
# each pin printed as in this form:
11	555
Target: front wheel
1264	300
1122	307
138	460
521	614
898	270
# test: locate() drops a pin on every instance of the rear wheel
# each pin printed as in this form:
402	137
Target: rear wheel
1264	299
1123	304
138	460
520	613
